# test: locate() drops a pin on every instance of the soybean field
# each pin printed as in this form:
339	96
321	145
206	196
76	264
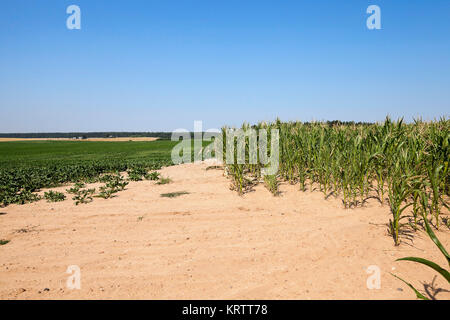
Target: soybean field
27	166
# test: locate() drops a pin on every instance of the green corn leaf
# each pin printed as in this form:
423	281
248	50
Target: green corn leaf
436	240
418	294
430	264
406	206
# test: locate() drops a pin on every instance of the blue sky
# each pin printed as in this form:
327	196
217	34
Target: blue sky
159	65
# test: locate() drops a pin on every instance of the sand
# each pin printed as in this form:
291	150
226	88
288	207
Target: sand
209	244
88	139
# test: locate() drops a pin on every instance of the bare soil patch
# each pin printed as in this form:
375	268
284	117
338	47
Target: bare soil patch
209	243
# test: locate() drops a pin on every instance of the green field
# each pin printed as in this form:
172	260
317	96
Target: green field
36	153
27	166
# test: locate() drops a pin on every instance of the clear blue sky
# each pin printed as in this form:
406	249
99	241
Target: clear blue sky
156	65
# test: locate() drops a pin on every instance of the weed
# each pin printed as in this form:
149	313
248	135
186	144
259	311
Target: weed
174	194
164	180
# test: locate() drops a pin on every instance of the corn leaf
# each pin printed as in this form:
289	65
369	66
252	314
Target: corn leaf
436	240
430	264
418	294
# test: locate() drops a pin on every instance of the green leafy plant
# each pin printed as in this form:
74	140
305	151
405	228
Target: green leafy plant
3	242
152	175
134	177
272	184
136	173
443	272
399	190
54	196
114	184
77	186
117	183
83	196
106	192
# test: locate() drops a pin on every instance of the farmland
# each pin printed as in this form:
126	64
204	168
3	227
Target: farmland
38	152
404	166
401	165
339	188
29	166
208	243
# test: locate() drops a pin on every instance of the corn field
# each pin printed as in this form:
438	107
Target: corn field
402	165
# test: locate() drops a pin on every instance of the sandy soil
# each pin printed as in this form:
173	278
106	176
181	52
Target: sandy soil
89	139
208	244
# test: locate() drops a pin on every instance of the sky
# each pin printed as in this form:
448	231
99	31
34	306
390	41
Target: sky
159	65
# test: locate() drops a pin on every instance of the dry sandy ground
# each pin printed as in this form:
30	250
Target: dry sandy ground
89	139
209	244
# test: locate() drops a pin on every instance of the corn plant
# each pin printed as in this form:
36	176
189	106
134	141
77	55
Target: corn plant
405	163
443	272
272	184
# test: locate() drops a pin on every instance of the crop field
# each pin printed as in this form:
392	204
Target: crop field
26	167
402	165
37	152
341	193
